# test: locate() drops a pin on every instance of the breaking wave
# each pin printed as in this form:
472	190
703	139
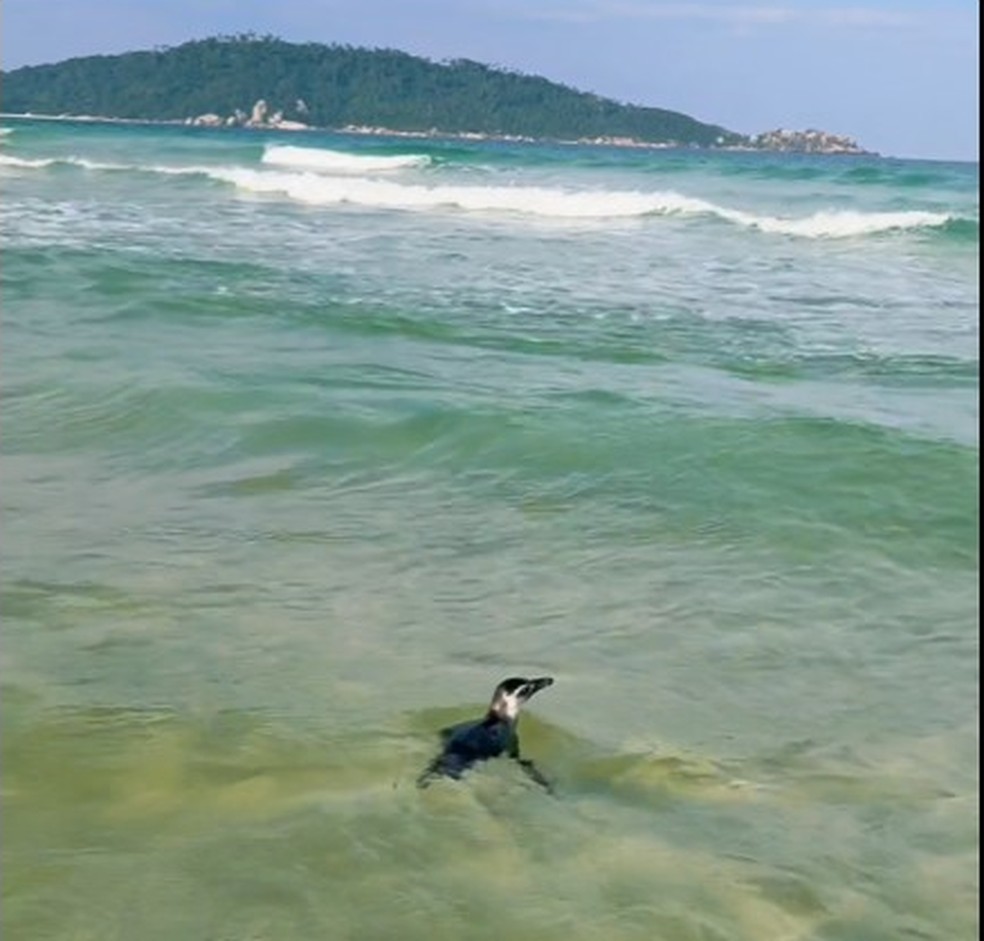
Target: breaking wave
41	163
334	161
24	163
563	204
324	189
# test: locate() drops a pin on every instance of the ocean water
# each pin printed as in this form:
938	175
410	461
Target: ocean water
309	440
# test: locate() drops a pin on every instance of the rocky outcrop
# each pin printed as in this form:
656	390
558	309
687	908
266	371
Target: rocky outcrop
805	142
810	141
259	116
207	120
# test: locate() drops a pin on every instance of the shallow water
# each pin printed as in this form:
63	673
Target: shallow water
302	454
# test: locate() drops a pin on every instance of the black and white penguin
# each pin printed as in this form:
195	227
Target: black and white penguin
470	742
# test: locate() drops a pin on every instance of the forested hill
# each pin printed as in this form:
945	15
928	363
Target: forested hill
336	86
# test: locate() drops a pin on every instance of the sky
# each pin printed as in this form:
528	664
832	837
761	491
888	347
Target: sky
899	76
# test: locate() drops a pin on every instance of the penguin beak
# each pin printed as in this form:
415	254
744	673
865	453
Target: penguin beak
534	686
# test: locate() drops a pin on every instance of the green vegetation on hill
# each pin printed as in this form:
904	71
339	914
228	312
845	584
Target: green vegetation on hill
336	86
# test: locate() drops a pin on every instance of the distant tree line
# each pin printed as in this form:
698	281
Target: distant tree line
339	85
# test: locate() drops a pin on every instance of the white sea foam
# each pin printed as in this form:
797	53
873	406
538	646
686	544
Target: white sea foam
324	189
560	204
334	161
528	200
40	163
23	163
837	224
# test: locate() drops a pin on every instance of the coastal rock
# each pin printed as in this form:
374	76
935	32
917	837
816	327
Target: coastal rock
258	114
810	141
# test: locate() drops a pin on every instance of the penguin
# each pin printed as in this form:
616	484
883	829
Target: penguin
471	742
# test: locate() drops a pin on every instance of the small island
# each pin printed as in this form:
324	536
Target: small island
806	142
265	83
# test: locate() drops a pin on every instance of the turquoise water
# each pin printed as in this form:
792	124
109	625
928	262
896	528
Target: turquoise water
305	449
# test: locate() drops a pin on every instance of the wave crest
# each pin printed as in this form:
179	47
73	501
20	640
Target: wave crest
334	161
22	163
844	223
348	187
564	204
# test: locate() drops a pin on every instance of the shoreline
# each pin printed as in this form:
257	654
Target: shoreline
294	127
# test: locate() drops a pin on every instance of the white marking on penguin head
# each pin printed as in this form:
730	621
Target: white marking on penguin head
511	694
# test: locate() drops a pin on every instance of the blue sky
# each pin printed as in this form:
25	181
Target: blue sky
901	77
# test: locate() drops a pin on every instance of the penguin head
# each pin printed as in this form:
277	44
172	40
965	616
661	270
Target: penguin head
511	694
